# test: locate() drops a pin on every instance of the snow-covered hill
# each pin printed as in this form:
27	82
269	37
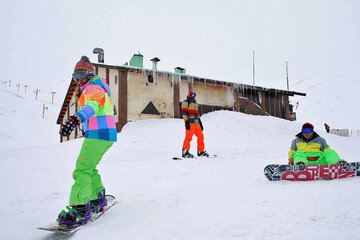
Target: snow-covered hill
22	121
218	198
331	100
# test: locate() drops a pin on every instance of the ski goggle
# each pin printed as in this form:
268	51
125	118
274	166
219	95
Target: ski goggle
79	75
192	95
307	130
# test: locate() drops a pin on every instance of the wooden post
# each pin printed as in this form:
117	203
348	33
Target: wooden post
123	96
287	76
107	78
253	68
44	108
36	93
176	97
52	98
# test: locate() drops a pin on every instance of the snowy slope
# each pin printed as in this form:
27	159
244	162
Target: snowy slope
23	122
331	100
221	198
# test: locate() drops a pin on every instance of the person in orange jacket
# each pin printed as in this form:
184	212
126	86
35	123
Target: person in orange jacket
193	125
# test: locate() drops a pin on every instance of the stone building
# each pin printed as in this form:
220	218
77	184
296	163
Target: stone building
139	93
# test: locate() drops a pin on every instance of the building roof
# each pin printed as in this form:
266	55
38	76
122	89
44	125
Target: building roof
201	79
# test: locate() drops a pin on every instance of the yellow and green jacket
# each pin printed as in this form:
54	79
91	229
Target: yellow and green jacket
314	144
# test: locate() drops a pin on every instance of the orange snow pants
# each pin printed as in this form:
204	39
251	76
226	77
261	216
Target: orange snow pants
194	129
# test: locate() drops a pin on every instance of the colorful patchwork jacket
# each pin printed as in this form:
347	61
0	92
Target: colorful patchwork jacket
314	144
190	111
96	111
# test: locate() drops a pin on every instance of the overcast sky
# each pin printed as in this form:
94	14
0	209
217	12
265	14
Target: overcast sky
42	40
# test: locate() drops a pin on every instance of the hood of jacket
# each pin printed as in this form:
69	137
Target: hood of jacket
97	81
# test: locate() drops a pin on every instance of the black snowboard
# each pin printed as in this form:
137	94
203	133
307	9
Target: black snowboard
195	157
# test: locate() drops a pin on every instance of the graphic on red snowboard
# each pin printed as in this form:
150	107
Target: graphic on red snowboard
276	172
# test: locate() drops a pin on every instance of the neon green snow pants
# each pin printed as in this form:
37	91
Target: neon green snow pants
324	158
87	179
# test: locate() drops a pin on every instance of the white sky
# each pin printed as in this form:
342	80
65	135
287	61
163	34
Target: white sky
42	40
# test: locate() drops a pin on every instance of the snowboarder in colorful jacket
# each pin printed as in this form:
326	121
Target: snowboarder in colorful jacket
310	149
96	115
193	125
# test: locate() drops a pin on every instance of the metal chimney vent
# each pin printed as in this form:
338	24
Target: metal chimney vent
155	60
100	53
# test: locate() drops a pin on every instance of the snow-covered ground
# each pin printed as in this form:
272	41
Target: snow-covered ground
226	197
331	100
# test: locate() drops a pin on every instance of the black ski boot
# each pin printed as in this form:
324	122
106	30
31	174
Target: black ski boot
186	154
203	154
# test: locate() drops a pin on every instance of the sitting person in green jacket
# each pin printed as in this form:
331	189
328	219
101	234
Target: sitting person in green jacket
310	149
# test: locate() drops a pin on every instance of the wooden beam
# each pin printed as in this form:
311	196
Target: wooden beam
176	98
122	99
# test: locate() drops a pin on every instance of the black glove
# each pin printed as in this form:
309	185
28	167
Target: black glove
202	128
187	125
67	127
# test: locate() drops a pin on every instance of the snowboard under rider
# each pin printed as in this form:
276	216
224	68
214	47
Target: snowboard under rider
193	125
96	115
310	149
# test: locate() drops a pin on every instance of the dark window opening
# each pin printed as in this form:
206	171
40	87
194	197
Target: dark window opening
115	112
291	108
